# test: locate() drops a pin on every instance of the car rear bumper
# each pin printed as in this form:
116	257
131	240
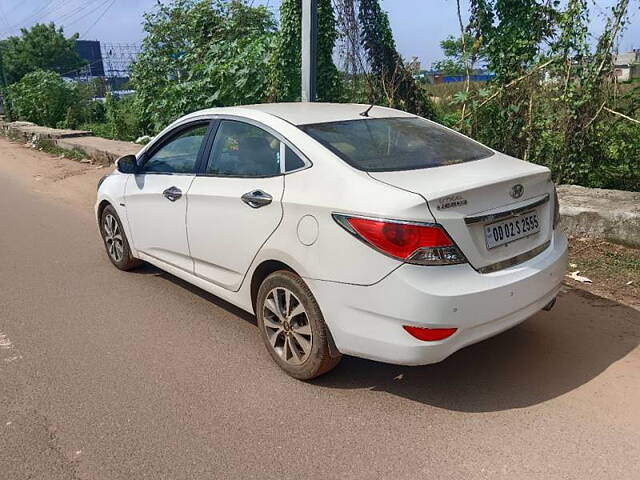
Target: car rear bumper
367	321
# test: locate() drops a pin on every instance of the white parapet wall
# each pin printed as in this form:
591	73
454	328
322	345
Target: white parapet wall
101	150
612	215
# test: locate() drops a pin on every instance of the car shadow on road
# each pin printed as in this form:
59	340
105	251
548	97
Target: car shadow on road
547	356
148	269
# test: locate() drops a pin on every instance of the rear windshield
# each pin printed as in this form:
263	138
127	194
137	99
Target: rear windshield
388	144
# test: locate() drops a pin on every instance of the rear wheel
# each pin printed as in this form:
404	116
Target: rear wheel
115	241
292	326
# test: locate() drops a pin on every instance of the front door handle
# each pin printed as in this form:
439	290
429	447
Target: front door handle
172	194
257	198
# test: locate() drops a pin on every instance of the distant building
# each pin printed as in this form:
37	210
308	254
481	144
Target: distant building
438	78
627	66
90	52
110	63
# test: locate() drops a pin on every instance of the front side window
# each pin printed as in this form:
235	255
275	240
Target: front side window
389	144
178	155
243	150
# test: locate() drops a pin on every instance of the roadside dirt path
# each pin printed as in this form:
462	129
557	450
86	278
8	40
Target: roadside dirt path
60	178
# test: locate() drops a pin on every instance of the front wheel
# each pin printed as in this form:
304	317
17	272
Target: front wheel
292	326
115	241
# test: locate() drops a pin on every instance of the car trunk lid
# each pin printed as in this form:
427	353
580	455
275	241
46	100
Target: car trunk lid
467	197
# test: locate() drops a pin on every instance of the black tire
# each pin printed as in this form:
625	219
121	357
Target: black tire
318	360
121	258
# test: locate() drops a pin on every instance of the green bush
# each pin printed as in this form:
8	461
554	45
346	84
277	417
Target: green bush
199	54
46	99
83	108
41	97
122	118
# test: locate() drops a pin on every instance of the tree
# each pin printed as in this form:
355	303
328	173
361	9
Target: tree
285	61
553	100
43	47
199	54
457	55
41	97
393	83
511	33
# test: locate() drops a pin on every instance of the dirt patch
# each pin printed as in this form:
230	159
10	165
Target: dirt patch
57	177
613	269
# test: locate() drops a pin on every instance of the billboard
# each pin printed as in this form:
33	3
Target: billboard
89	51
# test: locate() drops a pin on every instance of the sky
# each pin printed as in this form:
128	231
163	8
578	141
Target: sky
418	25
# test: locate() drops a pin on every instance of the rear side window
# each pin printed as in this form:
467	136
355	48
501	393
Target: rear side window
243	150
388	144
292	160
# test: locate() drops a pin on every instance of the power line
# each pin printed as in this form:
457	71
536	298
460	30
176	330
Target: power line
99	17
88	13
36	14
42	12
70	14
55	9
88	65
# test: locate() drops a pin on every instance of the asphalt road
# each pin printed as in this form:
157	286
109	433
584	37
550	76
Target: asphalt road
112	375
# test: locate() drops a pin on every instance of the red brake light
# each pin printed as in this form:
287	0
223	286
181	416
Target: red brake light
399	239
430	334
424	244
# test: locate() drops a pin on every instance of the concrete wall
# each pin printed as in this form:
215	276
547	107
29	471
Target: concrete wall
100	150
623	74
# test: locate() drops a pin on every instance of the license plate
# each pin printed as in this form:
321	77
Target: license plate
511	229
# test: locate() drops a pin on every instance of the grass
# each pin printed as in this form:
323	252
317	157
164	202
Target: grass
48	146
614	263
614	269
103	130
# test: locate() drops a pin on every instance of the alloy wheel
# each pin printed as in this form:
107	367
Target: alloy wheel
113	238
287	326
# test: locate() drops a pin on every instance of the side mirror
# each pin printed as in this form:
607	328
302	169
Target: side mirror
127	164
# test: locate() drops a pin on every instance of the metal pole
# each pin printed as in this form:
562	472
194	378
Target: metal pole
309	48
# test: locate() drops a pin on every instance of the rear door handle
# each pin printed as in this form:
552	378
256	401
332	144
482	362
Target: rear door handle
257	198
172	194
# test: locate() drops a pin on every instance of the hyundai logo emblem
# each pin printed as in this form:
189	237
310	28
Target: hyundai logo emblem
517	190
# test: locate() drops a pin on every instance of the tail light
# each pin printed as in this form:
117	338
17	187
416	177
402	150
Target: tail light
411	242
556	208
430	334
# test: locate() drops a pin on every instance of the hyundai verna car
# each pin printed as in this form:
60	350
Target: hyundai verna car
346	229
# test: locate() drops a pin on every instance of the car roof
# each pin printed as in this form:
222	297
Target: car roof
306	113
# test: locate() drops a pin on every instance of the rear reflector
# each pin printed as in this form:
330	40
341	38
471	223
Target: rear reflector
430	334
556	208
412	242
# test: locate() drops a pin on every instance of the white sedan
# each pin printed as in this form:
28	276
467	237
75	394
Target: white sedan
346	229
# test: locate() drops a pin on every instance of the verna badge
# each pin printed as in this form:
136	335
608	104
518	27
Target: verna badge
517	190
450	202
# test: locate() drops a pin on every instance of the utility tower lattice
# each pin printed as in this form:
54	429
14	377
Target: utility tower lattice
118	58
